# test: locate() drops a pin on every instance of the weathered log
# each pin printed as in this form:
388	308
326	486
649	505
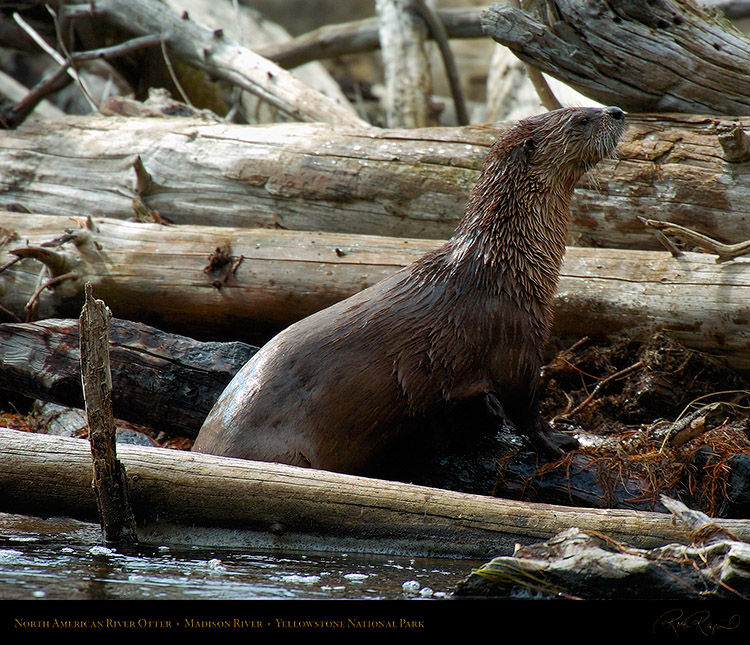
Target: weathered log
237	502
222	57
261	280
156	379
407	69
209	281
362	36
667	56
409	183
253	30
162	381
110	480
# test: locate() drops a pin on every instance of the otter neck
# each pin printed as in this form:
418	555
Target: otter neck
512	238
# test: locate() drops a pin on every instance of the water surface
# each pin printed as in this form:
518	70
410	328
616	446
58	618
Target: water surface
65	559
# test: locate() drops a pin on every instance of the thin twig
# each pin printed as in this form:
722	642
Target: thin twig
9	313
49	85
10	263
173	75
601	384
437	29
65	51
36	37
50	283
59	79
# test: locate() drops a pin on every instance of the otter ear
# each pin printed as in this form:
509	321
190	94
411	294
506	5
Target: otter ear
522	153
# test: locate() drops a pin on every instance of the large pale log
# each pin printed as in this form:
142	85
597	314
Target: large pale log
409	183
666	56
197	498
164	276
158	275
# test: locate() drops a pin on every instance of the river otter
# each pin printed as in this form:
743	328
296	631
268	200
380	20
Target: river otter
470	319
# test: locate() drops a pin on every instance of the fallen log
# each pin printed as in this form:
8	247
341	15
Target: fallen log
241	284
169	383
219	55
362	36
407	183
205	281
253	30
162	381
634	55
240	503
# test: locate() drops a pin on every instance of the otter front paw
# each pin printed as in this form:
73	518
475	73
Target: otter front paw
551	442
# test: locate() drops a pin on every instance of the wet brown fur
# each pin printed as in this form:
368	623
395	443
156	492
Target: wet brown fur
471	318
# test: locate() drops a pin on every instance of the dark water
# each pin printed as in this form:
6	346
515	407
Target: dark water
65	559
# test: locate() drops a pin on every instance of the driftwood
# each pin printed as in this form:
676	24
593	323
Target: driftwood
222	57
204	281
363	36
634	55
110	480
584	564
162	381
407	69
237	502
252	30
408	183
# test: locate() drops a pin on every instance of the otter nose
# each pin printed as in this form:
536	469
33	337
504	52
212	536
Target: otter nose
616	113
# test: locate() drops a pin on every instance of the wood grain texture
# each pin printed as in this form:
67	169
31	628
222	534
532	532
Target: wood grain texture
405	183
164	381
666	56
155	274
192	492
224	58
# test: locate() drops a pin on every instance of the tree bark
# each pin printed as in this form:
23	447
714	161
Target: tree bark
667	56
245	284
228	501
163	381
409	183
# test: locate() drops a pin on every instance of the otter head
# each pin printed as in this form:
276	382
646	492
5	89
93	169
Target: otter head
566	143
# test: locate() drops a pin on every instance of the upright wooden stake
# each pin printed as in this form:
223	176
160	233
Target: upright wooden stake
110	481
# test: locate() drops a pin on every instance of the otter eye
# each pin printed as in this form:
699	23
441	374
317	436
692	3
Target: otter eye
584	121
